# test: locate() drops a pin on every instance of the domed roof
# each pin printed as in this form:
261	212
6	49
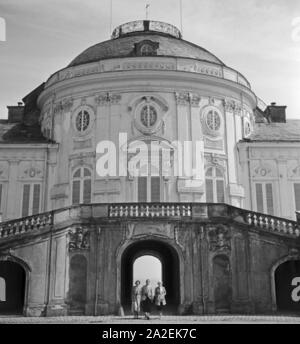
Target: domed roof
125	38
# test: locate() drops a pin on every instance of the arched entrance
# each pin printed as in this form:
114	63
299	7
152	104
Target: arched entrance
287	286
169	266
12	287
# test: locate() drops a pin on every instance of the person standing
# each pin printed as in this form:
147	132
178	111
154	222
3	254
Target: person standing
147	297
160	297
136	299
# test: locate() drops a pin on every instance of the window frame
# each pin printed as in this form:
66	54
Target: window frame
265	209
214	178
81	179
31	198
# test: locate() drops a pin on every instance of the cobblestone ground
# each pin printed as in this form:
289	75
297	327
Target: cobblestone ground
208	319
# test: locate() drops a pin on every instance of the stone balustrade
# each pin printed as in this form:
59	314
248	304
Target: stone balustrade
25	224
151	210
180	211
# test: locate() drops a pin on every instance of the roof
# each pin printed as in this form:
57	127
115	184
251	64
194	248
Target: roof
124	47
20	133
289	131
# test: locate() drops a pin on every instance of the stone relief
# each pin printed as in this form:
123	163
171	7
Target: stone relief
185	98
79	239
103	99
219	238
263	170
232	106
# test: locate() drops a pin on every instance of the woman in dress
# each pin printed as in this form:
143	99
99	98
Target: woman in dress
147	297
160	297
136	299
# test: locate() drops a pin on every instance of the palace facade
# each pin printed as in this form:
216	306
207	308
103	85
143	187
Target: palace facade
227	236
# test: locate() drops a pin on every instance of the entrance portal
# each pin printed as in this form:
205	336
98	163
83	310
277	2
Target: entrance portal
287	284
169	270
12	288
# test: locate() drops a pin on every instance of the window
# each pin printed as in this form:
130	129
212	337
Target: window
148	116
149	183
213	120
214	185
82	186
1	190
31	199
82	120
297	196
247	127
264	198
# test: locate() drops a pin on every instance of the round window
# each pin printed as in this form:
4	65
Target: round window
148	116
213	120
82	120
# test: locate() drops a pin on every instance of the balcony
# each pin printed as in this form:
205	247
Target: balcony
206	213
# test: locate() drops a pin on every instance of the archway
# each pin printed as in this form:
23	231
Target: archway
78	284
141	273
222	284
287	286
169	259
13	279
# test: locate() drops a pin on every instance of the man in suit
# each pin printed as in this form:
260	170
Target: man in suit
147	297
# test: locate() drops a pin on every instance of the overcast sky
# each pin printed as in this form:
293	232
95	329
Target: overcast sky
253	36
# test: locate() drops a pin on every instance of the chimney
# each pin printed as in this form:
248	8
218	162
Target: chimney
275	113
15	113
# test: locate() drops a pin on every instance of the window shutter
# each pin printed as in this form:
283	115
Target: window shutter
25	203
87	186
297	195
209	190
259	198
142	189
220	191
269	199
76	192
36	199
155	189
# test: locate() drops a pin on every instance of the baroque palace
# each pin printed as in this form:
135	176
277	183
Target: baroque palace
227	238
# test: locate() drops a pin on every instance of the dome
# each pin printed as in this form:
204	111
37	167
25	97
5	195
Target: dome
166	38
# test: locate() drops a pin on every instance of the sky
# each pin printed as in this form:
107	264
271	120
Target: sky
259	38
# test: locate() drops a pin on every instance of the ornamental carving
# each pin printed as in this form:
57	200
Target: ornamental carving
146	48
79	239
232	106
263	170
107	99
185	98
295	172
219	238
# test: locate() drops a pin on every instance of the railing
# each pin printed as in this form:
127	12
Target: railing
25	224
150	210
211	212
272	223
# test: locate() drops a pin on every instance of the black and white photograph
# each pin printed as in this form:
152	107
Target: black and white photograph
149	164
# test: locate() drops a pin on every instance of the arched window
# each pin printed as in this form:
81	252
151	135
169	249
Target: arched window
2	290
215	185
82	186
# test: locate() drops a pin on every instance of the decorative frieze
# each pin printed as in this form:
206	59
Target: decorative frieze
79	239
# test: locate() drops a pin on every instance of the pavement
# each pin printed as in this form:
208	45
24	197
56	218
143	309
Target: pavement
168	319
